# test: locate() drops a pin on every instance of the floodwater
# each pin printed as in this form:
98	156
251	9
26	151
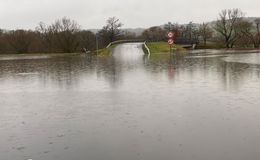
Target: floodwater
196	105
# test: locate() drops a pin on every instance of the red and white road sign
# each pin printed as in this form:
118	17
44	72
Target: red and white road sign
170	34
171	41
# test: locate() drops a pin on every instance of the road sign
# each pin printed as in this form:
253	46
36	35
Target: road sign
170	34
171	41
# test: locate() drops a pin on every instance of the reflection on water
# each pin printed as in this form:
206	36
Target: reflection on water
192	105
133	56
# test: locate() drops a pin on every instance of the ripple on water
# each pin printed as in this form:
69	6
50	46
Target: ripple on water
250	58
128	107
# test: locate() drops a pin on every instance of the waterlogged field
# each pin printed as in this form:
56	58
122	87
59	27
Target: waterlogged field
193	105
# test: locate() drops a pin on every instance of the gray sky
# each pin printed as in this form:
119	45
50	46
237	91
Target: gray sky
91	14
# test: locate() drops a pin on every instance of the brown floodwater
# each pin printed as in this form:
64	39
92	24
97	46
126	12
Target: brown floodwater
194	105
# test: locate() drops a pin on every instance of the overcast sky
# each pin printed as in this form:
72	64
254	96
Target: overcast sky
17	14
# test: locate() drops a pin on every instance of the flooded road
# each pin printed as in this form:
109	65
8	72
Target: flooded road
195	105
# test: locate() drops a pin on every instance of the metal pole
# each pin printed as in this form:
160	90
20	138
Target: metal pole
97	42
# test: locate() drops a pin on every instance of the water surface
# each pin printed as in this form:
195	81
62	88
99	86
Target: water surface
196	105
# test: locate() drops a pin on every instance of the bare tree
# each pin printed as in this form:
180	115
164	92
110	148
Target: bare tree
112	30
205	32
250	31
47	34
226	25
19	40
3	44
87	40
257	35
60	36
243	31
65	30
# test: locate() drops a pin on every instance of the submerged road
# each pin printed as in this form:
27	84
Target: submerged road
129	53
201	105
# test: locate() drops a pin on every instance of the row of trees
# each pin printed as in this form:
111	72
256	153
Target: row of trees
234	29
64	35
189	32
231	29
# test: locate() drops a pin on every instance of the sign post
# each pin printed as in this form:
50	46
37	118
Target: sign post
170	36
171	41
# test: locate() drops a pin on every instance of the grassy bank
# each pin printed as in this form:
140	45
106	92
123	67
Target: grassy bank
101	52
161	47
105	51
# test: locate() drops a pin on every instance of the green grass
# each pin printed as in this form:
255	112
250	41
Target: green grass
105	51
101	52
161	47
39	54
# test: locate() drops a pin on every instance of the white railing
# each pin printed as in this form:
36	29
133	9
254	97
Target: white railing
123	41
148	50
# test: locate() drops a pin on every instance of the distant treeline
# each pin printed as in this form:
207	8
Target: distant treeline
230	30
65	35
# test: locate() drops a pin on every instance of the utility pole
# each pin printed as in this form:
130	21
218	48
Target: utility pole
97	42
